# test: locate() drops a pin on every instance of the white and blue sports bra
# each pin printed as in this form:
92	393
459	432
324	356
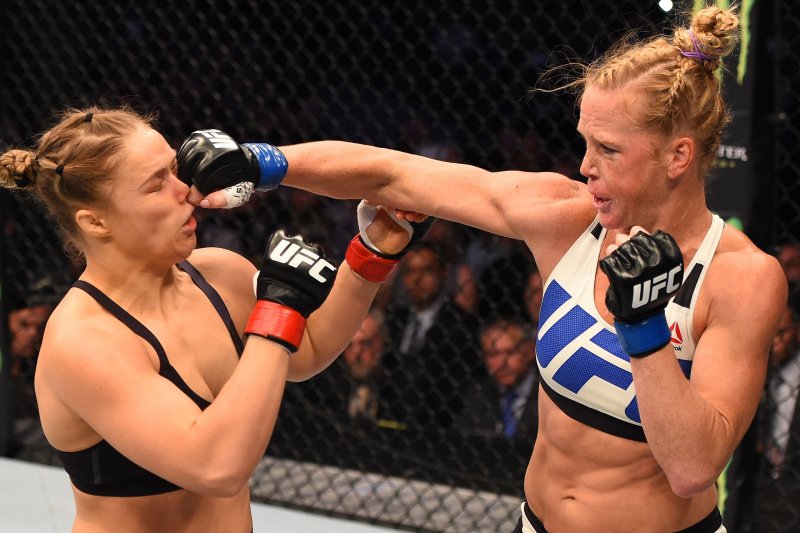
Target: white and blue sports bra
583	368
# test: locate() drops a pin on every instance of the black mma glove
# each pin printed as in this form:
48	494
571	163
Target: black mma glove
212	161
293	282
644	273
365	259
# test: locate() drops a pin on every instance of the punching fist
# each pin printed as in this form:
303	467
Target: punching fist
382	240
211	161
293	282
644	273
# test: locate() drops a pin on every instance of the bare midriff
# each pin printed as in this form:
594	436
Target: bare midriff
179	511
580	479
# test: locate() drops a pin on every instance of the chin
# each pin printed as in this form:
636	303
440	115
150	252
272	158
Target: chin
611	222
186	250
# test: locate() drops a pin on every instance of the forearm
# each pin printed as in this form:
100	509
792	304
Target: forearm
339	169
231	435
333	325
689	438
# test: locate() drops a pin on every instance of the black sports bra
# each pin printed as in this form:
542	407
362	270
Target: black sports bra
103	471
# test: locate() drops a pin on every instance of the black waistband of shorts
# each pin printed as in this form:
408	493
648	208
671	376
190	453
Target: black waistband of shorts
709	524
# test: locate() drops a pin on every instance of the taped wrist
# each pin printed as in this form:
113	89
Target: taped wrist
272	164
277	323
368	264
640	339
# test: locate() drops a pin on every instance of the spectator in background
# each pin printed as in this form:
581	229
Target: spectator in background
789	258
327	222
26	326
501	283
465	289
363	362
505	401
433	351
534	290
780	441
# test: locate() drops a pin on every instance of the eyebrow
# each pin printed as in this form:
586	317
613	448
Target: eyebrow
156	174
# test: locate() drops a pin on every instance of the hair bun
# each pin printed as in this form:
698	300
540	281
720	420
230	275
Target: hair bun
716	31
18	169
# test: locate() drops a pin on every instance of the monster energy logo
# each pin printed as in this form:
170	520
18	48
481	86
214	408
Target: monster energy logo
744	25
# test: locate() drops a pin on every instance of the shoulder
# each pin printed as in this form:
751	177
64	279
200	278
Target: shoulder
737	258
549	211
70	365
226	271
746	281
216	261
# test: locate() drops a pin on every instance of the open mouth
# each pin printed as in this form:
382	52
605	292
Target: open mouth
191	223
600	203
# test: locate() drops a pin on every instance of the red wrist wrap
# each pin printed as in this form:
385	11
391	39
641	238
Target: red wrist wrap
367	263
278	323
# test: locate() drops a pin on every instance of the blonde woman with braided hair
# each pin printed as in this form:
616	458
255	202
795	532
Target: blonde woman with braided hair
656	318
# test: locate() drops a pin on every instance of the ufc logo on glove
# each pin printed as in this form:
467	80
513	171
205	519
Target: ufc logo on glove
219	139
287	252
647	291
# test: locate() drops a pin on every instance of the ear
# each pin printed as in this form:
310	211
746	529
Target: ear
92	223
680	156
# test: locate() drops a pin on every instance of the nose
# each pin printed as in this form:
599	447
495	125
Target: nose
181	188
586	165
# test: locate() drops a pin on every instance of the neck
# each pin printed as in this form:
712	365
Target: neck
132	284
683	214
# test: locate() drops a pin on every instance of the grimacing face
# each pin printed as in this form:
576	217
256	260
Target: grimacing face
626	178
148	213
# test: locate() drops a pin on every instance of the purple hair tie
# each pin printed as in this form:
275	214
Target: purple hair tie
696	53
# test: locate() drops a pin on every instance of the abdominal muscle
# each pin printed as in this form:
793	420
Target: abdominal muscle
180	511
580	479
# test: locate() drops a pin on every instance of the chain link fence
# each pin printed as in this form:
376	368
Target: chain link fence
449	80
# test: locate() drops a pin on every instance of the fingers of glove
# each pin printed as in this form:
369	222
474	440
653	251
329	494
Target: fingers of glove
667	245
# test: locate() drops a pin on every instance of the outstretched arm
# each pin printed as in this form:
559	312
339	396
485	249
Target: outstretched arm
522	205
513	204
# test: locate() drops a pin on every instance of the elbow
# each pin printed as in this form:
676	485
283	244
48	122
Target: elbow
222	483
686	484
